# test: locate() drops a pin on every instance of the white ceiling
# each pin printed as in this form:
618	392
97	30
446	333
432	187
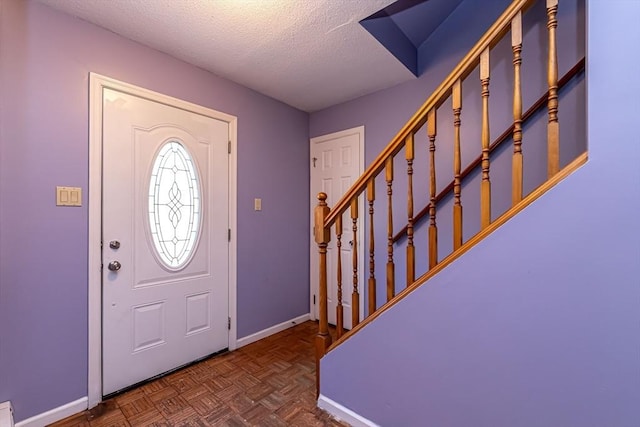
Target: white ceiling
310	54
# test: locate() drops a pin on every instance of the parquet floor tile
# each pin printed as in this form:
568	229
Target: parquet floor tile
270	383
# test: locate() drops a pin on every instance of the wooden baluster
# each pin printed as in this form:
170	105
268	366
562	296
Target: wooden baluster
485	189
355	296
371	196
339	307
411	257
433	228
322	238
553	128
516	46
457	161
391	286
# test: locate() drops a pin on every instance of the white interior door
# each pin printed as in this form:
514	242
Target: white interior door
165	245
336	162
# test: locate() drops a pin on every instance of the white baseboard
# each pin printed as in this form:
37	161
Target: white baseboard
272	330
56	414
343	413
6	414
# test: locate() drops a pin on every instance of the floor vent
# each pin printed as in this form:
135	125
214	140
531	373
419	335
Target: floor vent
6	414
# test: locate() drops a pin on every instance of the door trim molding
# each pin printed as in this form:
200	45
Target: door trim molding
313	249
97	83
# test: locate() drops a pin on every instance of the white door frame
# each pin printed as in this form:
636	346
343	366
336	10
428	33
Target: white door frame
313	251
97	84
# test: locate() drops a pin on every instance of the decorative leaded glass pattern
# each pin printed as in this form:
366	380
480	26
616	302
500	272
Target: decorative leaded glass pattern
174	205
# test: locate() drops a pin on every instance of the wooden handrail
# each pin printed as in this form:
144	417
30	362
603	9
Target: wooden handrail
537	106
462	70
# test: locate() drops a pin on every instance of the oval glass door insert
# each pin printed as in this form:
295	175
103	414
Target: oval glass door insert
174	205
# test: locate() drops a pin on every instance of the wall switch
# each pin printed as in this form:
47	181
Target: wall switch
257	204
68	196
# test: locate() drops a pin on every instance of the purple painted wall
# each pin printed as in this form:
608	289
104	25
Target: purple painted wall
538	325
46	58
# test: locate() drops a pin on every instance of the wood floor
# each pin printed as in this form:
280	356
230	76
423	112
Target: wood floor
268	383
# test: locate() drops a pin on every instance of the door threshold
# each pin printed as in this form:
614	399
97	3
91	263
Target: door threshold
164	374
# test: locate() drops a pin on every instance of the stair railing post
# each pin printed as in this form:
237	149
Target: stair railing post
339	306
322	236
485	185
433	228
516	46
553	128
457	161
355	295
391	287
411	251
371	197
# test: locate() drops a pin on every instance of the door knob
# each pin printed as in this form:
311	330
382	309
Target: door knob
114	266
114	244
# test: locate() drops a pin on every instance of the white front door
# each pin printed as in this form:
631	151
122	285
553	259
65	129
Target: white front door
336	162
165	221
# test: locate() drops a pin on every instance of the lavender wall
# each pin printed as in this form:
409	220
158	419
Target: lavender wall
538	325
46	58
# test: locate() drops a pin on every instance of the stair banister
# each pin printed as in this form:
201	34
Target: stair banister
322	237
325	217
462	70
511	131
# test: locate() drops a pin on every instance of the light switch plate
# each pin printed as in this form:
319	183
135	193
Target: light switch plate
68	196
257	204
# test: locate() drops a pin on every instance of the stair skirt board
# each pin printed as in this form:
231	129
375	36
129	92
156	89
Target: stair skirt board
55	414
272	330
343	413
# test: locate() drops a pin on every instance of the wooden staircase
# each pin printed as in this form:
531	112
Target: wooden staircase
446	99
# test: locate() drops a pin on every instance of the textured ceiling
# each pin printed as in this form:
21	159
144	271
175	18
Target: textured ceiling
310	54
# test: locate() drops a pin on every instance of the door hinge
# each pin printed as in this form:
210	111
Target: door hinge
314	300
229	147
229	323
228	234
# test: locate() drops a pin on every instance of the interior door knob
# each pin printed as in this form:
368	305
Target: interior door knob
114	266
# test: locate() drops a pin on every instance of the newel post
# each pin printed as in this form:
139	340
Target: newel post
322	236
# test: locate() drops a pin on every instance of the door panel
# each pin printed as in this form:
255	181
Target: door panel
162	311
337	165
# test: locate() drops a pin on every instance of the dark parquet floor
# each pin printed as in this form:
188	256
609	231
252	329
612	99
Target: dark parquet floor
268	383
